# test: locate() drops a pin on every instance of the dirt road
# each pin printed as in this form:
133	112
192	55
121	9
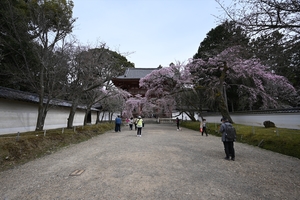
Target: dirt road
162	164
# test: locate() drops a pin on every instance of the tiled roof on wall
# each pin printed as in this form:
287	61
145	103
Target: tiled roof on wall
11	94
8	93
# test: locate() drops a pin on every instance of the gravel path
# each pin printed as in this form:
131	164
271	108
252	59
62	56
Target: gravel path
162	164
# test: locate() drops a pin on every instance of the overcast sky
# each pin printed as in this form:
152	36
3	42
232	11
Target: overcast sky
155	32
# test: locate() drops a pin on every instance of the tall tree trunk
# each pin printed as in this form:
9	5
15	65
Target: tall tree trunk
42	113
103	117
220	96
72	113
110	116
98	117
41	117
223	108
87	111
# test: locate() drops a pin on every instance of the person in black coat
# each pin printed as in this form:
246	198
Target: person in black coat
228	144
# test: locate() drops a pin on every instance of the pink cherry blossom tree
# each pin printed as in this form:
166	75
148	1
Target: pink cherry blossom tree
133	106
247	83
248	79
162	84
138	106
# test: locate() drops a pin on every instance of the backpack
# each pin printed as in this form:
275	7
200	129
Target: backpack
230	132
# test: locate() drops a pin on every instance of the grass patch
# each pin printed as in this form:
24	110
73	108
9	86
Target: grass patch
16	150
280	140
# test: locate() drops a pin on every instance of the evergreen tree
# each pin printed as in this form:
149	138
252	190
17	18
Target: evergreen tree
16	45
219	38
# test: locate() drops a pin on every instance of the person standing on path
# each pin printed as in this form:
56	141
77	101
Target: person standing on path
135	122
118	122
204	127
177	123
201	127
130	123
139	126
228	144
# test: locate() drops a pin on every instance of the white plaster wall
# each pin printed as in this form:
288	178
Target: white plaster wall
106	116
57	117
281	120
94	117
18	116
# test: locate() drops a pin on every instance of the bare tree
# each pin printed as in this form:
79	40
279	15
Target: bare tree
265	16
108	98
90	69
115	103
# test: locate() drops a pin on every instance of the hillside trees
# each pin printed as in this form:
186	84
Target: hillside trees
32	36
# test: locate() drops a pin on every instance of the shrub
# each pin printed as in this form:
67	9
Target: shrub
269	124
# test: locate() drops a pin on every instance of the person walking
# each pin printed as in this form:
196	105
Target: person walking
139	126
228	143
131	123
118	122
204	127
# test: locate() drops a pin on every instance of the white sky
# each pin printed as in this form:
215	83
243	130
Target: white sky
158	32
